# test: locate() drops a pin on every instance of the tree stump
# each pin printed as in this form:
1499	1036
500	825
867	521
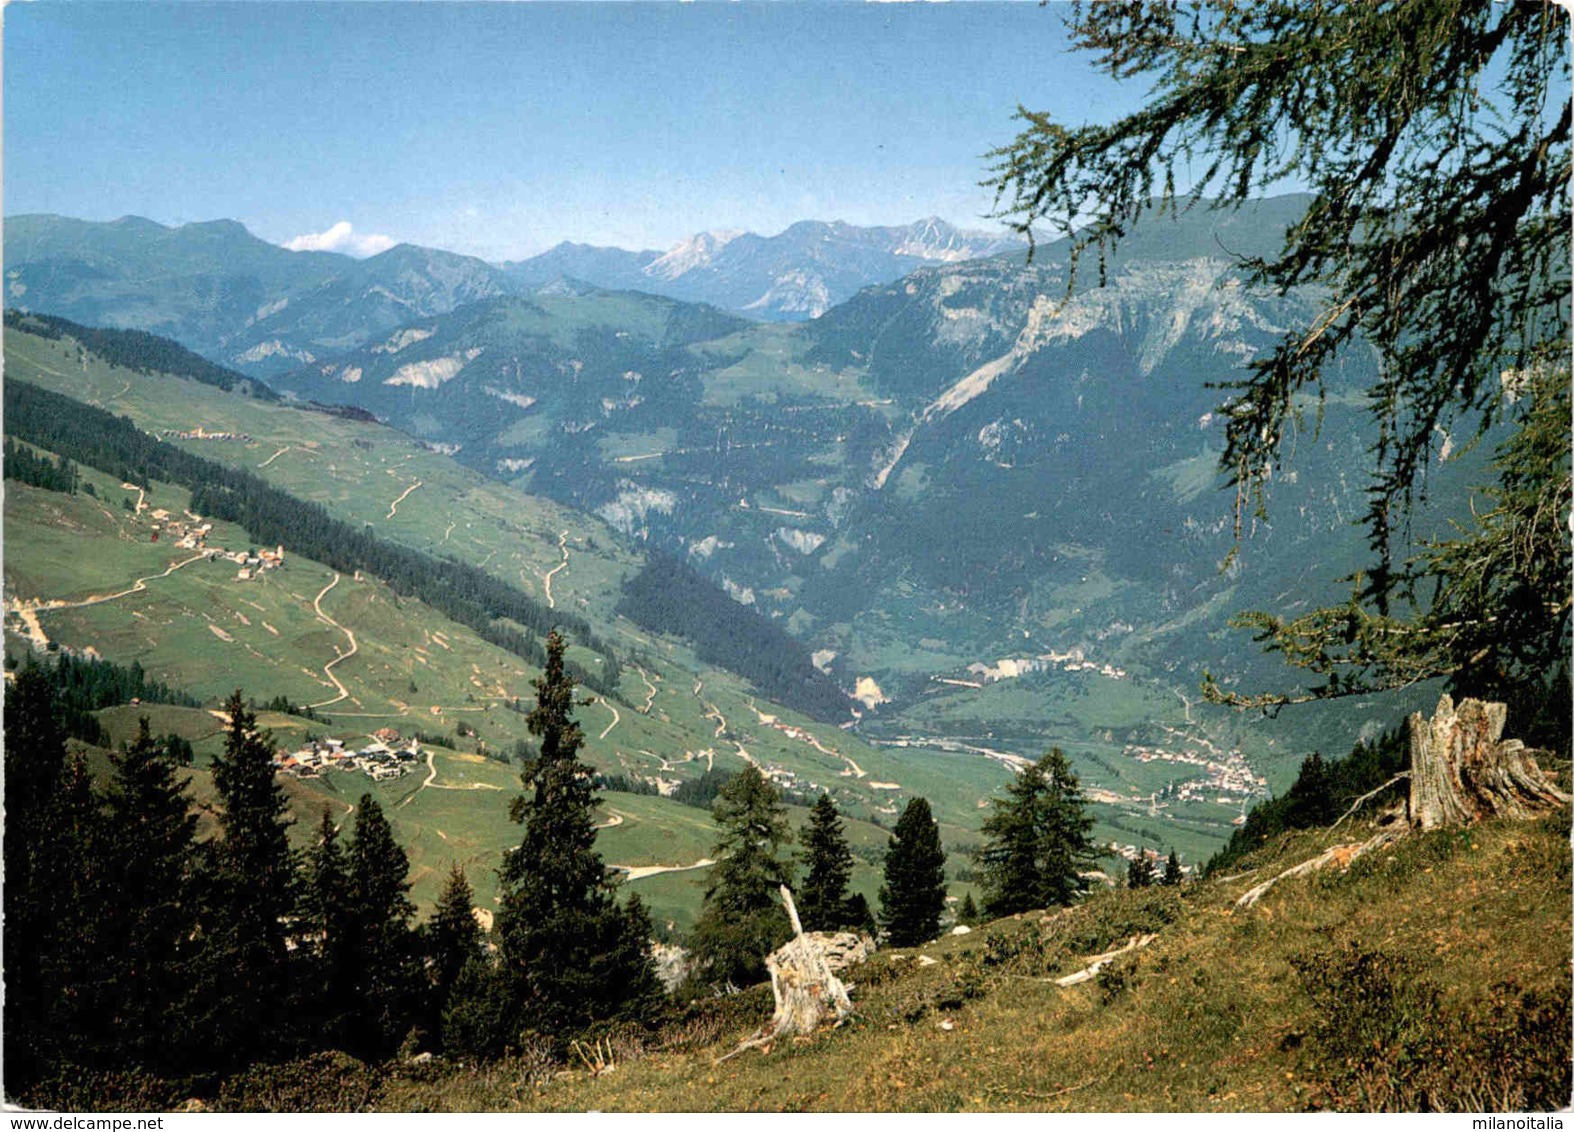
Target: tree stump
807	991
1462	770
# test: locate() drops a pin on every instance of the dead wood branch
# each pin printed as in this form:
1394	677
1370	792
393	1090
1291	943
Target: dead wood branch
1044	1096
1364	798
596	1056
1340	855
1098	962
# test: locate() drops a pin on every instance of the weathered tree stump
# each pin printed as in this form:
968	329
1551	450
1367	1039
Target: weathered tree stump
1462	770
807	991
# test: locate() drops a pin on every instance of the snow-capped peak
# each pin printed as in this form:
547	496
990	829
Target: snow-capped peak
686	255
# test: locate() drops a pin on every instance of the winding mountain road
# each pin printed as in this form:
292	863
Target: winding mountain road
546	579
393	508
136	587
327	669
650	691
616	718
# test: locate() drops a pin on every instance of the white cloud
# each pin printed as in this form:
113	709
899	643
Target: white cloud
342	237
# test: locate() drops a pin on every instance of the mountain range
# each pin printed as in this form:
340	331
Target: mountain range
255	306
984	498
799	274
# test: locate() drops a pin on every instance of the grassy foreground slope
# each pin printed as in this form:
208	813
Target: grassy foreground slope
1434	974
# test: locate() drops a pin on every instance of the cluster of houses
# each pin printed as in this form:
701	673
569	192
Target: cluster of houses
252	565
385	757
200	433
1012	668
1230	779
190	532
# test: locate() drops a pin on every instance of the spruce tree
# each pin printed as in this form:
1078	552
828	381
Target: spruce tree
453	939
860	917
245	981
37	867
968	913
570	955
1038	840
1310	798
387	999
822	898
742	920
913	896
149	917
1139	872
481	1018
1172	871
325	909
74	967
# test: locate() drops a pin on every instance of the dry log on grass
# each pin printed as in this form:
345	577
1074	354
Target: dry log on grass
1099	962
807	990
1462	770
1340	856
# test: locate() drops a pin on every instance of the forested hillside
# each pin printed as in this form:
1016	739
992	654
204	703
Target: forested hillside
669	597
465	593
140	352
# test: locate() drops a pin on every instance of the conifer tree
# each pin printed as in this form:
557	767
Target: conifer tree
453	939
742	920
571	956
380	915
74	966
1139	872
1172	871
149	918
860	917
822	898
1434	143
325	907
968	913
37	867
481	1018
1310	799
1038	840
913	896
245	982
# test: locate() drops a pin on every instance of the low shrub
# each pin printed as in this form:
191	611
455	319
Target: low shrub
1385	1039
83	1090
323	1082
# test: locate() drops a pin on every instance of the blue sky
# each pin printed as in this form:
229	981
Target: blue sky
500	129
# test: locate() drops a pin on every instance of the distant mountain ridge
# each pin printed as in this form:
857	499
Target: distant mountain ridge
231	296
798	274
263	309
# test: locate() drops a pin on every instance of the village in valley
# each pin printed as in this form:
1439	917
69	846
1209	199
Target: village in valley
387	756
190	532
